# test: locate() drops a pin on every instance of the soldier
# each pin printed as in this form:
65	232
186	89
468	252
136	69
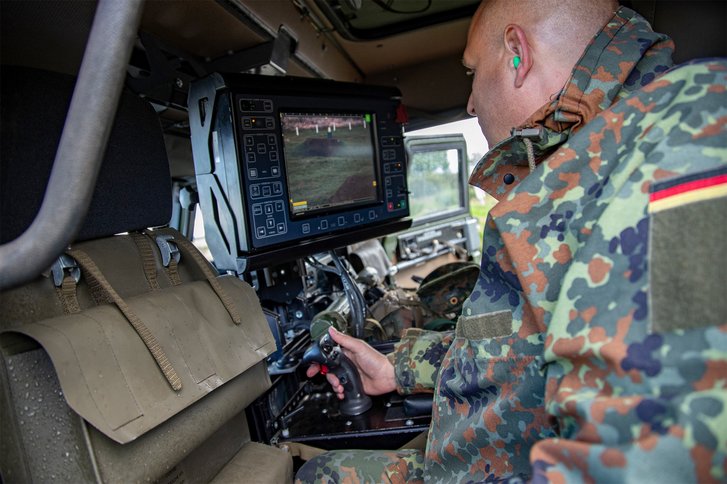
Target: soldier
594	346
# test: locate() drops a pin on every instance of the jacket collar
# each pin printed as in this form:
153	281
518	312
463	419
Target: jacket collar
624	56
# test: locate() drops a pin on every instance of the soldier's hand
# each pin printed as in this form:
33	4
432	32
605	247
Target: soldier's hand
377	372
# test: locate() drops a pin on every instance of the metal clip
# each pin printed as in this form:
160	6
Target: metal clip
168	249
65	264
535	133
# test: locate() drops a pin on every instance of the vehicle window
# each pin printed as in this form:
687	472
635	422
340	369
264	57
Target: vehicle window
479	202
434	182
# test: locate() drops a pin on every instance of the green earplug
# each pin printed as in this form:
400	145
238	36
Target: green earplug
516	61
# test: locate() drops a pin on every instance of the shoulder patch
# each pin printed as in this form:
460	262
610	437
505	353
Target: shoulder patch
687	246
688	189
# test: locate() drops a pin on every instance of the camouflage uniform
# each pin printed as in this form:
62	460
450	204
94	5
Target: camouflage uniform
594	346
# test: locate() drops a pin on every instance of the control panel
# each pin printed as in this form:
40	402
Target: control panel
283	162
268	197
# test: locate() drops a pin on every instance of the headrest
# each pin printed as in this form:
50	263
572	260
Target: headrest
133	190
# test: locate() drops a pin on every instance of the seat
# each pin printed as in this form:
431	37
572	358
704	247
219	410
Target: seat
130	359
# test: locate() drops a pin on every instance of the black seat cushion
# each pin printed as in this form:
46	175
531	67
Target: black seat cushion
133	190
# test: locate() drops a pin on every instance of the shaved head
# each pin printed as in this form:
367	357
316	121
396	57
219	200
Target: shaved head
548	36
565	26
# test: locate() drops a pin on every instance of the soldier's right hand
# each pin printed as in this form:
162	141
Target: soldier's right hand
377	372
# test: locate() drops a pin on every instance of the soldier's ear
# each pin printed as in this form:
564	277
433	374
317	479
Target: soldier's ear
516	45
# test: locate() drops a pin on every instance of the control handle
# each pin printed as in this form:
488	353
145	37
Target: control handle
328	354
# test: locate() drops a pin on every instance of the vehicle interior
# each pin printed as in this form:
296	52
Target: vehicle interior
193	191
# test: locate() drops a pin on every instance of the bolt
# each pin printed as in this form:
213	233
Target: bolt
388	404
179	83
286	433
408	422
324	411
348	423
299	314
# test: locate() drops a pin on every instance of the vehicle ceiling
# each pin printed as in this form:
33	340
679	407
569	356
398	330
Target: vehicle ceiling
423	62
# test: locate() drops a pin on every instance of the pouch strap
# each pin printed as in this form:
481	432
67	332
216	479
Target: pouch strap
189	251
67	295
146	251
100	286
65	274
173	272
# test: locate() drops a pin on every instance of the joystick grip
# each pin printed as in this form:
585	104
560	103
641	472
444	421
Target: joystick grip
355	401
326	352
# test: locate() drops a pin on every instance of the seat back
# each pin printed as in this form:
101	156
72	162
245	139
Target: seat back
131	359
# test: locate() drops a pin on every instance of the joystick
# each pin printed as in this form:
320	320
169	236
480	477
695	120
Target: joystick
329	355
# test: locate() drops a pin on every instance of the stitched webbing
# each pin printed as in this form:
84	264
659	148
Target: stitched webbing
190	251
143	245
67	294
173	272
99	284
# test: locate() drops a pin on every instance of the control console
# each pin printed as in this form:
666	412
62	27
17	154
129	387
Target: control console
288	166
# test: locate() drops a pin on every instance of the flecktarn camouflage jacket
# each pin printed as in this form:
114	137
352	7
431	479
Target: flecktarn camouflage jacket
594	346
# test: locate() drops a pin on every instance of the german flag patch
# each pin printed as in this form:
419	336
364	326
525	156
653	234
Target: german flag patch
687	247
688	189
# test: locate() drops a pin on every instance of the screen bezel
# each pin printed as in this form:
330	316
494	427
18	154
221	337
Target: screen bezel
375	161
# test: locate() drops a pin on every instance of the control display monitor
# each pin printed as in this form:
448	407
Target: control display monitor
289	166
330	161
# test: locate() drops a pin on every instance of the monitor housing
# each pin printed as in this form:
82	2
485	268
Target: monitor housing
287	167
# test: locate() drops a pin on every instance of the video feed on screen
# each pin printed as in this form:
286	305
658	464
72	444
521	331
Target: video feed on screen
329	160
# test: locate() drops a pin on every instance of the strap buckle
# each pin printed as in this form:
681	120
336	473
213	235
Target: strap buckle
65	264
168	249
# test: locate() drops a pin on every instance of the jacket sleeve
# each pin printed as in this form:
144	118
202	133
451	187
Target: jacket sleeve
417	359
640	388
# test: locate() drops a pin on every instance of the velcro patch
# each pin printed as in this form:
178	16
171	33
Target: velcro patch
687	246
689	189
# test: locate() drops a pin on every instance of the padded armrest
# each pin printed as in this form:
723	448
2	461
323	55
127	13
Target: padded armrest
418	404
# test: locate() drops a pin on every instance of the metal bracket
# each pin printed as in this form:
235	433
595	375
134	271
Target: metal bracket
275	53
65	264
168	249
171	70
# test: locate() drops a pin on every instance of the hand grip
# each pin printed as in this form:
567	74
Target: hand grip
355	401
326	352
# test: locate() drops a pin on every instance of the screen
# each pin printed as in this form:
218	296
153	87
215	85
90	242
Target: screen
330	160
